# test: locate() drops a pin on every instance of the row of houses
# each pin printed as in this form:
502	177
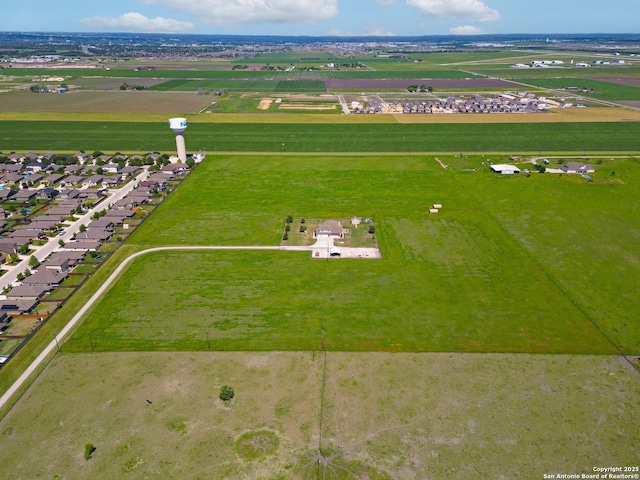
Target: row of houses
499	103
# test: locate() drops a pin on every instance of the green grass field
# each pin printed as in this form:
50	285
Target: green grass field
603	90
494	272
326	137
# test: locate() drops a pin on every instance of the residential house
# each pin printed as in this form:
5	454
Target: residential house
104	223
47	193
52	179
94	234
73	169
24	195
329	229
82	246
34	167
92	181
34	179
6	193
83	157
111	168
174	168
42	224
70	194
63	261
61	211
17	307
28	292
74	180
45	277
25	235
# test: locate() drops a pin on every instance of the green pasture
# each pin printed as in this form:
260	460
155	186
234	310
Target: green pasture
564	71
604	90
322	137
477	277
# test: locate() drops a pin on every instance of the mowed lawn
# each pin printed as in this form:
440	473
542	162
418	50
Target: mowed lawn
468	279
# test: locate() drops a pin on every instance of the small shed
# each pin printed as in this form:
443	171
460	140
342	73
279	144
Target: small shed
433	210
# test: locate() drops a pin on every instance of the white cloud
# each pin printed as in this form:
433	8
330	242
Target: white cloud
467	30
471	10
229	12
136	22
373	30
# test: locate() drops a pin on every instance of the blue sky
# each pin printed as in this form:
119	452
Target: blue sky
324	17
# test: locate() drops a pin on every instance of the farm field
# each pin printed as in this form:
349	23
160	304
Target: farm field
603	90
238	85
106	101
18	135
383	416
460	263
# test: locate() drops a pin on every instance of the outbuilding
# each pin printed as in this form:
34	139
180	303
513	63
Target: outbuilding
505	169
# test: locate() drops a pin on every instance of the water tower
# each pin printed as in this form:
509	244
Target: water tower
179	125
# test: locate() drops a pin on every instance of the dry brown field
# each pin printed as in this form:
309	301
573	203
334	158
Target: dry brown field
631	81
106	102
371	415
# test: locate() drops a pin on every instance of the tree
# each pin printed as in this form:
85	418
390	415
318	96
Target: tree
226	393
289	219
83	228
34	262
23	249
372	229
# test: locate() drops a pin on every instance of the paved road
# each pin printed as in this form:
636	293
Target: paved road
44	251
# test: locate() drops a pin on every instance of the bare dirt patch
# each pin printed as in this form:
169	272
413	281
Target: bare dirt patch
305	106
265	103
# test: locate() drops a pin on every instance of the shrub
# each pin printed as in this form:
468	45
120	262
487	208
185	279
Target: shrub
372	229
285	236
88	451
226	393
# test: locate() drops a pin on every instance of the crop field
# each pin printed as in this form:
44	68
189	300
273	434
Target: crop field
296	416
323	137
236	85
103	101
603	90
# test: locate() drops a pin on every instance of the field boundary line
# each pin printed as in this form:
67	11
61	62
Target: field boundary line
53	346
